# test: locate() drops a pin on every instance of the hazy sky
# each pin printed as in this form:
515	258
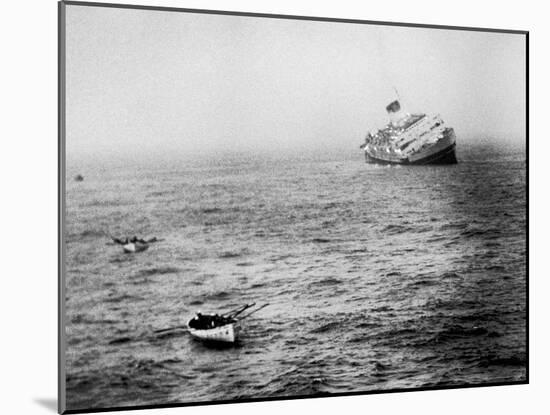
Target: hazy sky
151	82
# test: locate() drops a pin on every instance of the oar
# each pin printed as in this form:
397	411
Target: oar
233	310
252	312
154	239
170	329
233	313
117	241
246	307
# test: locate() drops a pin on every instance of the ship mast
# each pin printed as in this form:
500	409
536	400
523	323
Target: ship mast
397	94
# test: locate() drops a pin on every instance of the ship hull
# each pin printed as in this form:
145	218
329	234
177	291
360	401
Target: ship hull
443	152
445	156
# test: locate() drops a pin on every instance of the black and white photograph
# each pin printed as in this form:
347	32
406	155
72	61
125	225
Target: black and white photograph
260	207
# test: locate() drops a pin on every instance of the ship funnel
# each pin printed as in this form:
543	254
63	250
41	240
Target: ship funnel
395	112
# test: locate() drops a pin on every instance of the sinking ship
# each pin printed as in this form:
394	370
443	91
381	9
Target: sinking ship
411	139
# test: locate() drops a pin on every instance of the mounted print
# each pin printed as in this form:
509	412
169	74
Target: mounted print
258	207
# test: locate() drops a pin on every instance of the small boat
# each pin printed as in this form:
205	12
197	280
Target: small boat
135	244
219	328
132	247
225	333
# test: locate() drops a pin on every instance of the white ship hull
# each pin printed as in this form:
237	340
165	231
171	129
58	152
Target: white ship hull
441	151
132	247
225	334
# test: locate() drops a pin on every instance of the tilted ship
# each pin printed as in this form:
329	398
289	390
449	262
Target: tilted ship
411	139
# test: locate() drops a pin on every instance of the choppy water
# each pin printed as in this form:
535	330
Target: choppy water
378	277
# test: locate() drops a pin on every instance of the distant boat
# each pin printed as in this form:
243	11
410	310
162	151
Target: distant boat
135	244
133	247
411	139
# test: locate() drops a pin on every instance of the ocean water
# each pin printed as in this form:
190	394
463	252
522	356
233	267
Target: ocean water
377	277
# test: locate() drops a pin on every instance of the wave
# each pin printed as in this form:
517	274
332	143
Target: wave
437	238
422	283
331	205
396	229
258	285
196	302
380	367
211	210
142	281
233	254
382	309
121	340
455	333
450	275
326	281
491	233
453	226
513	360
495	268
122	298
282	257
121	259
83	319
157	271
358	251
220	295
407	332
244	264
105	203
360	338
169	334
327	327
91	233
367	325
476	318
160	193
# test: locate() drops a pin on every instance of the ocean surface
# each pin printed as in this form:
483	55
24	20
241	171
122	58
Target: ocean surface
377	277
